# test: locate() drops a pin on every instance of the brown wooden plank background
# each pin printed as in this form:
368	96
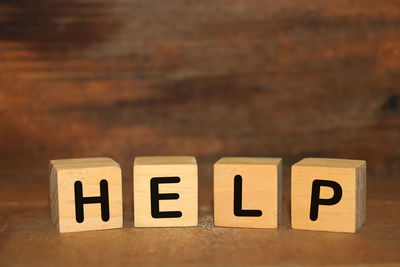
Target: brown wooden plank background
206	78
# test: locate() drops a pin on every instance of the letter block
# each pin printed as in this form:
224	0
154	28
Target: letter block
85	194
165	191
328	194
247	192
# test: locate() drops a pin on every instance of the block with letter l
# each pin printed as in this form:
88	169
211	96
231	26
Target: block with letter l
328	194
247	192
85	194
165	191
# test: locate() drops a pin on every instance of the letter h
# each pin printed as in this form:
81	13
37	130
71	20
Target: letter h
102	199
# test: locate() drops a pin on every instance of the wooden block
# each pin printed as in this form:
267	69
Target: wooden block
328	194
247	192
165	191
85	194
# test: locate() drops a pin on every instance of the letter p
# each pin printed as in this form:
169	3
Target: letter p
315	196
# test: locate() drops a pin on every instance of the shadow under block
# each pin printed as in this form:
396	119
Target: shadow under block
74	183
345	213
165	192
260	186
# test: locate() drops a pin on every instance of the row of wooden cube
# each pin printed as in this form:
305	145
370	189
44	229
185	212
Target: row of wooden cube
327	194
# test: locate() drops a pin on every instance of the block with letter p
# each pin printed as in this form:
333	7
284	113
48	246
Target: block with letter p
328	194
165	191
85	194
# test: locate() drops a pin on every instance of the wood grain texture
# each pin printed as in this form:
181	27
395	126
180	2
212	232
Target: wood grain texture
25	220
124	78
89	172
185	170
260	189
127	78
348	214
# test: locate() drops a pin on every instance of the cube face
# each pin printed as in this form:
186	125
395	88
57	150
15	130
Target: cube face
258	182
328	195
165	192
74	183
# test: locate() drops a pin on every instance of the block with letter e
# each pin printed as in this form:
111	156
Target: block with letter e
165	191
85	194
247	192
328	194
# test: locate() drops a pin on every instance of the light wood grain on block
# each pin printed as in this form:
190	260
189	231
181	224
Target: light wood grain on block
258	182
85	194
165	191
338	190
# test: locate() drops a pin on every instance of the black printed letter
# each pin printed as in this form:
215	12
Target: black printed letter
102	199
156	197
316	201
237	201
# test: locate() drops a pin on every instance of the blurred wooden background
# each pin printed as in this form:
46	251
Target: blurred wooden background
205	78
216	78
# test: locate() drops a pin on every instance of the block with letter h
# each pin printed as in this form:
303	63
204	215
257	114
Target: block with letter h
85	194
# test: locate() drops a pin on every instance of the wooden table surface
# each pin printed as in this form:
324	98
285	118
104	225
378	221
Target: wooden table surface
212	78
28	237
